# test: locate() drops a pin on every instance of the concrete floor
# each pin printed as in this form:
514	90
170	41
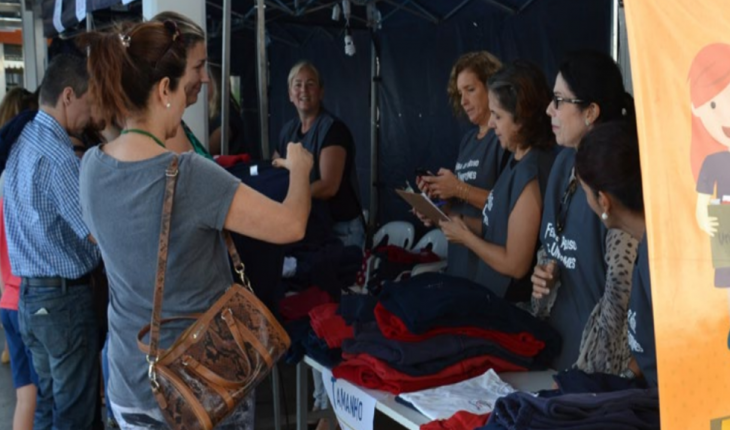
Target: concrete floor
264	401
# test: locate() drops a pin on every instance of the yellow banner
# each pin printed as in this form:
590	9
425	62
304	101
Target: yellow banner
680	59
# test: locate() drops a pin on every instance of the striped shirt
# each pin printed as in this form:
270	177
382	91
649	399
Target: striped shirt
46	234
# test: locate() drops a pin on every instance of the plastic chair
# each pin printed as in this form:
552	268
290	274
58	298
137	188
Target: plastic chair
399	233
438	242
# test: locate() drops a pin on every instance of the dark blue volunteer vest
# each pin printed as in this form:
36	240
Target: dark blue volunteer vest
641	317
580	251
535	164
313	140
479	164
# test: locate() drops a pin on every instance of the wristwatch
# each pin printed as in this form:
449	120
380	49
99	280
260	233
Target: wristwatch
628	374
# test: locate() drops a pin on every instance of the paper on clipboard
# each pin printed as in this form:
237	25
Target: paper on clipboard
424	205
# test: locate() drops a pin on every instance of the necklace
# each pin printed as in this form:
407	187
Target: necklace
144	133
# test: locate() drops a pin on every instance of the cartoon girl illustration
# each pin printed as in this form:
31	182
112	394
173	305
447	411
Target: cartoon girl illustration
709	80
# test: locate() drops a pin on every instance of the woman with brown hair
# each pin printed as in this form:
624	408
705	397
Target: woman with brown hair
15	101
138	76
506	238
480	158
197	57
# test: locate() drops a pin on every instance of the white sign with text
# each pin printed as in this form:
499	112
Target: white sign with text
355	410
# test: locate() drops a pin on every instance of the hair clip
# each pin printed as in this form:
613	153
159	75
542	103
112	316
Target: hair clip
125	39
174	30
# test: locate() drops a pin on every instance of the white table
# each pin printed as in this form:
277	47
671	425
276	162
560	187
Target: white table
404	415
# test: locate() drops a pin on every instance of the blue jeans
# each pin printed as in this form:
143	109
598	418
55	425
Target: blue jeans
105	376
59	327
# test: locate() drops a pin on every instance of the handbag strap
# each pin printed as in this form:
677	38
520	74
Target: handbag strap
171	180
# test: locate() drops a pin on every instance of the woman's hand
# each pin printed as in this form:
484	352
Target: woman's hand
543	279
297	159
423	218
455	230
444	185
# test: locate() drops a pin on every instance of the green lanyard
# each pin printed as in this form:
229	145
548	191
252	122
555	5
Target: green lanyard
144	133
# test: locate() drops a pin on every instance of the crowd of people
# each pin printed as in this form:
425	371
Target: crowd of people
545	205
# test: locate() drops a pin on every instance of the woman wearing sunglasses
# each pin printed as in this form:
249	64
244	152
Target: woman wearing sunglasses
582	281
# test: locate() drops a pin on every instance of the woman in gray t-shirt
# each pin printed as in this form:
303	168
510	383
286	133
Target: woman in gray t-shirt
480	158
121	192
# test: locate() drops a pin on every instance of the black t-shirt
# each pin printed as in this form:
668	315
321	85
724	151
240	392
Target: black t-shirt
344	204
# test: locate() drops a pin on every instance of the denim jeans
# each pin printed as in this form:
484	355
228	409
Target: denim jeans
105	376
59	326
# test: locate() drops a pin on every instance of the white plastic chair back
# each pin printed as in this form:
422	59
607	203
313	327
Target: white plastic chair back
438	242
400	233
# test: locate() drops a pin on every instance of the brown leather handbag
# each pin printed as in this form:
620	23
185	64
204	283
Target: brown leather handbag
221	357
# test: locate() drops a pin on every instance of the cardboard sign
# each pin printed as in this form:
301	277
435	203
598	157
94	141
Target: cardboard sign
354	408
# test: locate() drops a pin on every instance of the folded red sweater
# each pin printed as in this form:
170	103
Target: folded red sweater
392	327
329	326
369	372
461	420
298	306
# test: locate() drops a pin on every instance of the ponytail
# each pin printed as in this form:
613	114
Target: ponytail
126	63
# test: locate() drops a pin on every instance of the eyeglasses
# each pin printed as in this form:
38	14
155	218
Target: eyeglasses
557	100
565	201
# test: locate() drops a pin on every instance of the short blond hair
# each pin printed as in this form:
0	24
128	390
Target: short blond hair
304	65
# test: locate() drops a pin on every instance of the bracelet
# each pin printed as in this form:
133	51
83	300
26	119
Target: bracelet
462	191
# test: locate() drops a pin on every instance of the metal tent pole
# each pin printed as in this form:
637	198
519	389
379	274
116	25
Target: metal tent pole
225	90
374	129
614	30
263	78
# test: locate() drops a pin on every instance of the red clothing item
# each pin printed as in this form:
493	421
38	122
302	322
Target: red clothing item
397	254
392	327
231	160
329	326
298	306
369	372
461	420
11	283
